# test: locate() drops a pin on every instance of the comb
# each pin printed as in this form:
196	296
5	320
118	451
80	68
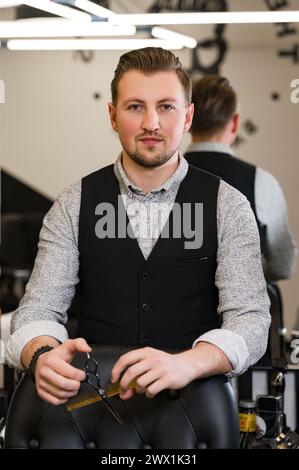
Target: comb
89	397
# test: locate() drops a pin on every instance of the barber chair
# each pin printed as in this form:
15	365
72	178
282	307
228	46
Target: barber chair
277	345
275	355
7	376
202	415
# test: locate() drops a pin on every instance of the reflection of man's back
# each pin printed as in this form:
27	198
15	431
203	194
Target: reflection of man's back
214	129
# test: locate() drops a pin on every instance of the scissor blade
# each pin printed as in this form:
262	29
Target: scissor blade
113	411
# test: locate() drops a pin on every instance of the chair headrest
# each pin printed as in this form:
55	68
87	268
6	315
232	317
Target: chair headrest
204	413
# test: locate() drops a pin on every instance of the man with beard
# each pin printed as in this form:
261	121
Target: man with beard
145	287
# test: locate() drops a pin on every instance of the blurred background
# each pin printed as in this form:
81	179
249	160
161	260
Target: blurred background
54	125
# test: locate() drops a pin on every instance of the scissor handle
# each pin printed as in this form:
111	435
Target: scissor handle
91	365
92	372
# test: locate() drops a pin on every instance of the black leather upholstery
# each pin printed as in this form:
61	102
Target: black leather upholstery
202	415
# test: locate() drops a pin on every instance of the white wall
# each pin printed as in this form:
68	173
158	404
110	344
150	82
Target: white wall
53	132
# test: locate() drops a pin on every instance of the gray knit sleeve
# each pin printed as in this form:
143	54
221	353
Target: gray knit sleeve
243	299
271	209
49	292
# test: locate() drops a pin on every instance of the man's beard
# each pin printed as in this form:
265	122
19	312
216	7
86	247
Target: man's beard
148	162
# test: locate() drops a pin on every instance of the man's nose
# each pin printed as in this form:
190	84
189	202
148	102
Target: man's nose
150	121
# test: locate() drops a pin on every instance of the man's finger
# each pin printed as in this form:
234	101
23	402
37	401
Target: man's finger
59	381
59	393
156	387
145	380
127	394
133	372
127	360
70	347
50	398
70	372
139	390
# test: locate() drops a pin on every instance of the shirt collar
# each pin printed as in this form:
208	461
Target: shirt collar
210	147
175	179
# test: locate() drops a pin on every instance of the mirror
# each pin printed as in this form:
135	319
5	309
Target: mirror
54	124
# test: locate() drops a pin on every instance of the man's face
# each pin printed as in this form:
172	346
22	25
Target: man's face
150	116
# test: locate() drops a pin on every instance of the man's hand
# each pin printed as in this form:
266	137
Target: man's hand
154	370
56	379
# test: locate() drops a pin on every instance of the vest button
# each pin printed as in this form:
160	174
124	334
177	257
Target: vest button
145	276
145	307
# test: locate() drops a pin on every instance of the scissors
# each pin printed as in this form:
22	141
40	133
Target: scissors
93	379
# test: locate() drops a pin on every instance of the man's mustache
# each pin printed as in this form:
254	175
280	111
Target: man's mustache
150	136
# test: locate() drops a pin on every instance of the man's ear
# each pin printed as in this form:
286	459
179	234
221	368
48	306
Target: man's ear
235	123
112	114
189	117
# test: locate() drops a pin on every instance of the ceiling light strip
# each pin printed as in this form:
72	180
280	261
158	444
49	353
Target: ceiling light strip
58	9
166	34
43	28
88	44
208	18
94	9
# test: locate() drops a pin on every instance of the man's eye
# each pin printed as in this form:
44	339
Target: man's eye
167	107
134	107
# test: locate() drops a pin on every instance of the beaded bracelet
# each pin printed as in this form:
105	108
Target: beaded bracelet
36	354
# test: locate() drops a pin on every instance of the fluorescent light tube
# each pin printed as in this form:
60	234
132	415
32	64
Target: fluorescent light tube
52	27
94	9
88	44
163	33
59	10
208	18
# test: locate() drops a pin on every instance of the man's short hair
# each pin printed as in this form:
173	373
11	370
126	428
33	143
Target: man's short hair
151	60
215	103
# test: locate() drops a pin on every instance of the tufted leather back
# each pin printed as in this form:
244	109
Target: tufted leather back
202	415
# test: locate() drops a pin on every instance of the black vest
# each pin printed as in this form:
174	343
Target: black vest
237	173
166	301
